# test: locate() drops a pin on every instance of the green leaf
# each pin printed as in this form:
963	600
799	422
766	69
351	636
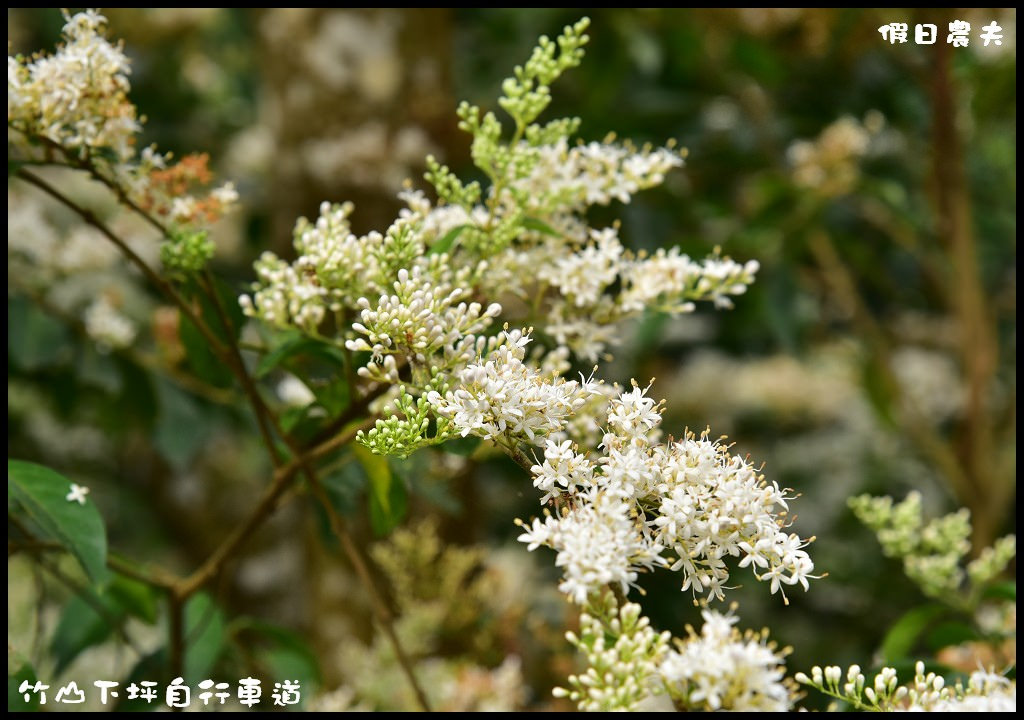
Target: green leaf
228	297
22	672
81	626
182	426
540	226
331	395
204	636
345	487
42	494
952	632
282	653
899	642
445	243
98	370
134	597
387	496
204	363
152	667
292	344
1003	591
88	621
34	339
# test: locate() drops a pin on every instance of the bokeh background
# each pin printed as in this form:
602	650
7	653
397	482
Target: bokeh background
875	183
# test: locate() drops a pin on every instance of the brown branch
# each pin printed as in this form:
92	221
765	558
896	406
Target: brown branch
377	602
237	363
179	590
917	426
988	494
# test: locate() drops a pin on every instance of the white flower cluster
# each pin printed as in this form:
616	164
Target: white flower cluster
623	654
573	178
528	240
985	692
71	108
597	544
421	319
720	669
688	497
927	692
506	399
76	98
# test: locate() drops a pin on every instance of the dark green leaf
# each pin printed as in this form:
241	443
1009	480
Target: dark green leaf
152	667
204	636
81	626
293	344
445	243
282	653
950	633
99	370
331	395
1003	591
228	298
42	494
899	642
204	363
384	519
344	487
386	494
88	621
182	427
136	407
134	598
22	672
34	339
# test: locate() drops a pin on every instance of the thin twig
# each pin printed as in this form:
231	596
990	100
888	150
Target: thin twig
266	417
147	361
150	274
379	606
920	428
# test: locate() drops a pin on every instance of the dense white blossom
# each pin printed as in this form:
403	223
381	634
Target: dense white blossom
720	669
76	98
597	543
687	504
503	397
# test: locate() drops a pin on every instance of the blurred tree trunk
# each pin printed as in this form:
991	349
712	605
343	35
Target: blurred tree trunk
354	100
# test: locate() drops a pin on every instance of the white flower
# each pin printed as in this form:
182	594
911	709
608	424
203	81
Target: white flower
723	670
504	396
598	544
77	494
